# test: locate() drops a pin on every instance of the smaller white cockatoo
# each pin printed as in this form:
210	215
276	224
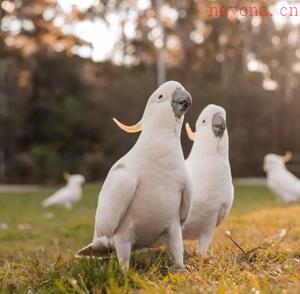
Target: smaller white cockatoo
279	180
69	194
146	195
209	168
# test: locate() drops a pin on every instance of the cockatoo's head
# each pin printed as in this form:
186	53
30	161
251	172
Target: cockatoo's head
74	179
165	108
211	132
274	161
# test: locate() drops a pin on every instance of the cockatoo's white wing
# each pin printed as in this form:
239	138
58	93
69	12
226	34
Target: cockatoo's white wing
186	202
225	208
223	213
115	198
59	197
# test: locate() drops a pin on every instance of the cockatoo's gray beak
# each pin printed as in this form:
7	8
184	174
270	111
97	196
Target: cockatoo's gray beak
181	102
218	125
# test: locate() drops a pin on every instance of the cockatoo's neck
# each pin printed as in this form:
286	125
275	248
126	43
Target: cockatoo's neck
154	133
162	127
210	146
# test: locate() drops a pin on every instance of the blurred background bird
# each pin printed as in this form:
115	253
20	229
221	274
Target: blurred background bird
279	179
69	194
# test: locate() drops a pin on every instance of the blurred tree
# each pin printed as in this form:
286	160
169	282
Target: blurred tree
56	108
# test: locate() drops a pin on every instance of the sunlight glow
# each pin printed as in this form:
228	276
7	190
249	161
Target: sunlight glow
280	20
102	35
82	5
269	84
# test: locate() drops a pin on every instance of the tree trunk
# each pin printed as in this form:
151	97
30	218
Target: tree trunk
161	64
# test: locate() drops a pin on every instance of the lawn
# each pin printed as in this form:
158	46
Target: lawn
37	250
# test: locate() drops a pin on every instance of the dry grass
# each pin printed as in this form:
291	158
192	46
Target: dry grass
40	258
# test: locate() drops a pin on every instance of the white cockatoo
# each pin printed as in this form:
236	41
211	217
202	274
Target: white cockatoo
147	193
280	181
69	194
209	167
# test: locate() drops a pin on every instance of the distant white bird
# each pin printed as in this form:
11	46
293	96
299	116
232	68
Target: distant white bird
69	194
146	195
279	180
209	167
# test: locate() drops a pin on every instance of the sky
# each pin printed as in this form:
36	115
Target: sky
103	36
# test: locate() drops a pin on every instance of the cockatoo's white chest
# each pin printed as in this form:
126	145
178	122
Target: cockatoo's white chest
157	199
212	186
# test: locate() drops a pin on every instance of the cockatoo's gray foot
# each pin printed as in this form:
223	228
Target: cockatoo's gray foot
204	242
123	250
175	245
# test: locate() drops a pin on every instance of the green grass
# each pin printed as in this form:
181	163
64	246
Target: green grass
41	259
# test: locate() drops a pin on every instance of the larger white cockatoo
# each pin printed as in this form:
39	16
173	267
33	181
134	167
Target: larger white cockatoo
69	194
147	193
280	181
209	167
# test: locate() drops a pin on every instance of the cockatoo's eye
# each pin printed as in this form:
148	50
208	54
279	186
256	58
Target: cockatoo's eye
160	96
204	122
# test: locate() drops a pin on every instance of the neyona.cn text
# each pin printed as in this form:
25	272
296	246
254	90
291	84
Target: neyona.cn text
234	11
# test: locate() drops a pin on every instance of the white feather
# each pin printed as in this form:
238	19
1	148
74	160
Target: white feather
281	181
209	167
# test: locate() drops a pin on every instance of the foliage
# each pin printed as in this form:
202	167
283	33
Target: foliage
56	108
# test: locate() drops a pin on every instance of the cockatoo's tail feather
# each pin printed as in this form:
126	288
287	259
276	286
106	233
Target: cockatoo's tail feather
95	249
46	203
